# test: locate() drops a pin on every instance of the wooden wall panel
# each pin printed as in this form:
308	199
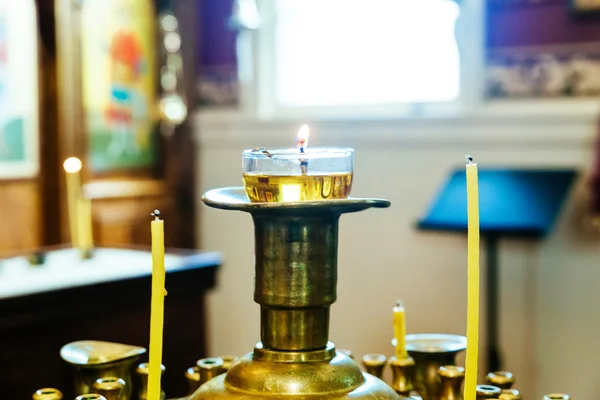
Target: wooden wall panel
20	216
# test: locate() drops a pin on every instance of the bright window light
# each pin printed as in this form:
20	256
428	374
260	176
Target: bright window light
365	52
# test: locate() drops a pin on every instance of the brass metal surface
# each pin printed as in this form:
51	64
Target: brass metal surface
501	379
452	377
193	378
209	368
431	351
557	396
93	360
488	392
296	274
403	371
111	388
228	362
510	394
142	372
48	394
374	364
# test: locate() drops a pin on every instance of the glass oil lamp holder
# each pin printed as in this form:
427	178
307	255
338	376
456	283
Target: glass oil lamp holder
296	244
289	175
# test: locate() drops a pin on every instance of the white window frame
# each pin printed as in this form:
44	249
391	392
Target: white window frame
258	93
470	20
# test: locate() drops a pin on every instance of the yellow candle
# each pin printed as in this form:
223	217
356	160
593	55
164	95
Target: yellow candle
157	307
400	330
85	224
473	282
72	167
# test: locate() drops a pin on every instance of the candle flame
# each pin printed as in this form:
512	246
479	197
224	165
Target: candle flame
72	165
302	138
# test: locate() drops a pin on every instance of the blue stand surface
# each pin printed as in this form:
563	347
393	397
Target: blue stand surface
512	203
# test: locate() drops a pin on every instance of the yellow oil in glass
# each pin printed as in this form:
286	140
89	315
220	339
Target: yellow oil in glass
286	188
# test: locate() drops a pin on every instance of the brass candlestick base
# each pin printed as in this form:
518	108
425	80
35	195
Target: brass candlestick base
296	275
430	352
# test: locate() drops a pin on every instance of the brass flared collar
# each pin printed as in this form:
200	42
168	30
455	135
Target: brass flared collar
235	198
510	394
48	394
435	343
451	371
487	391
501	378
401	362
95	353
557	396
374	359
262	354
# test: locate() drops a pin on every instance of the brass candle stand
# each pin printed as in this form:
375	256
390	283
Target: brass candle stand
296	247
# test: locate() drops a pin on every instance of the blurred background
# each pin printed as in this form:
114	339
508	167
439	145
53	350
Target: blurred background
158	99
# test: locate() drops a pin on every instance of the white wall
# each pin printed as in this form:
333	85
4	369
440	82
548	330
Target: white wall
549	291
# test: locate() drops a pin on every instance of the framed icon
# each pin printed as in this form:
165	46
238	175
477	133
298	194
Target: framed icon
19	90
118	64
107	63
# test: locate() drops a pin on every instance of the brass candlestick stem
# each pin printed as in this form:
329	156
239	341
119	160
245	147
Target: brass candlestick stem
403	370
453	378
296	274
374	364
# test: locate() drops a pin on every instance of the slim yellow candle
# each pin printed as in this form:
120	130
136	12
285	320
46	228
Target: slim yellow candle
400	330
85	225
157	306
72	168
470	385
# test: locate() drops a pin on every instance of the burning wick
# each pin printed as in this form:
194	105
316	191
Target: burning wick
302	143
469	160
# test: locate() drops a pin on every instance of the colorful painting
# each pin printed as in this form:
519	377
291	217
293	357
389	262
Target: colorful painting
19	107
119	86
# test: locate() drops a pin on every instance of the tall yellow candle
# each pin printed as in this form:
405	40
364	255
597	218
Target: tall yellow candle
72	168
470	385
157	306
400	330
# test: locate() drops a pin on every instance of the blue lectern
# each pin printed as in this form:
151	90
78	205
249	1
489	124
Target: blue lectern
512	203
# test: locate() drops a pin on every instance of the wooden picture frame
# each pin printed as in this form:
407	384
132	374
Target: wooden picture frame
19	90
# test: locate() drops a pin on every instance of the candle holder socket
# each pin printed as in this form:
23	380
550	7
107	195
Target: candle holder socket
403	371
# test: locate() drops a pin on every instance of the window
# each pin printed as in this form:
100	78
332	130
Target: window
332	53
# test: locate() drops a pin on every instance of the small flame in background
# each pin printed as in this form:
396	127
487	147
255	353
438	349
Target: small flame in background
302	138
72	165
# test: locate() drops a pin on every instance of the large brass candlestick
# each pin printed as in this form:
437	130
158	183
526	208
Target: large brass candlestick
296	274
